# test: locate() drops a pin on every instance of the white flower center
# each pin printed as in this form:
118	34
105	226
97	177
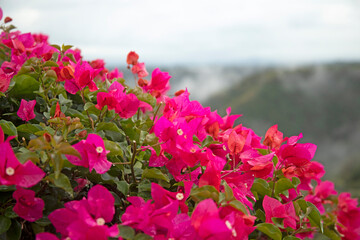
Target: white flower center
193	150
224	147
234	233
179	196
10	171
228	224
99	149
68	238
100	221
180	132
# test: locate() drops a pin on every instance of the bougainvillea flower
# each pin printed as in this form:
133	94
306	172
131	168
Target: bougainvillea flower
275	209
273	137
159	83
104	98
85	219
4	81
93	154
322	191
348	217
114	74
84	75
140	70
46	236
12	172
26	110
240	224
132	58
228	120
236	142
27	205
207	222
127	106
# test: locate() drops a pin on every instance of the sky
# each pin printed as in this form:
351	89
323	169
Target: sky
197	31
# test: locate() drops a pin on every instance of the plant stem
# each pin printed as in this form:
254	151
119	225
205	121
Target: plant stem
133	161
90	119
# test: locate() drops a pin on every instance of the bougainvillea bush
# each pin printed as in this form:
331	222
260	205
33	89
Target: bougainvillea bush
85	156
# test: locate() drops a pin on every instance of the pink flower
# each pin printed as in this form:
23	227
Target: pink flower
275	209
207	222
322	192
140	70
114	74
27	205
85	219
159	83
26	110
46	236
273	137
132	58
83	76
93	154
12	172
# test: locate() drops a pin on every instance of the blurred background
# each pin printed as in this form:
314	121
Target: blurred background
286	62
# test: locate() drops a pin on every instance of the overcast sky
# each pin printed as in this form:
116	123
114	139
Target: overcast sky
197	31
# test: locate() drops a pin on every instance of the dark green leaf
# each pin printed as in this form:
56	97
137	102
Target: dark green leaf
260	215
291	238
269	229
123	187
66	148
62	182
126	232
66	47
114	148
239	206
14	232
142	236
29	128
9	212
25	86
314	215
261	187
8	128
50	64
282	185
4	224
154	173
205	192
110	126
229	195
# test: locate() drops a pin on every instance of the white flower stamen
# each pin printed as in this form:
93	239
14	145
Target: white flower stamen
100	221
99	149
228	224
10	171
180	132
179	196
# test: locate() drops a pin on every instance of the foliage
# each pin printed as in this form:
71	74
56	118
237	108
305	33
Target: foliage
88	157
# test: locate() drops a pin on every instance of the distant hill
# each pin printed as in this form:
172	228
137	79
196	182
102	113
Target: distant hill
321	101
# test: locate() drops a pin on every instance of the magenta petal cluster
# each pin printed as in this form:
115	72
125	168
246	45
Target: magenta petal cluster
86	218
12	172
275	209
27	205
93	154
26	110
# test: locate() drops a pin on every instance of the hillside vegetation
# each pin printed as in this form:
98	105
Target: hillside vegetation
321	101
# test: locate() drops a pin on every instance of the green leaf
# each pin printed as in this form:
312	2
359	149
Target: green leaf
260	215
56	46
126	232
205	192
25	86
114	148
291	238
8	128
279	222
88	105
4	188
123	187
66	148
269	229
50	64
154	173
9	212
331	234
295	181
314	215
110	126
14	232
239	206
29	128
62	182
261	187
229	195
142	236
5	224
282	185
66	47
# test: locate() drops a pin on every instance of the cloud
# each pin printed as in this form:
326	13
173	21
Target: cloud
198	31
